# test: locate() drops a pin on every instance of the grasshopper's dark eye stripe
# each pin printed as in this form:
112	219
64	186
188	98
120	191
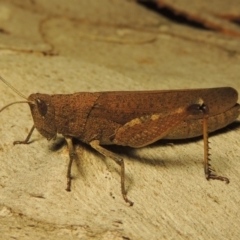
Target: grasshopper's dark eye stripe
42	107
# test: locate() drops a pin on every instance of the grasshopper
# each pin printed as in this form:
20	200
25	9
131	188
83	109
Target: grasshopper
131	118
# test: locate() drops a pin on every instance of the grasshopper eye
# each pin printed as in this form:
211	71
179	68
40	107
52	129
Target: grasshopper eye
42	107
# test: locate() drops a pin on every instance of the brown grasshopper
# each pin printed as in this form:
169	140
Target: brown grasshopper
131	118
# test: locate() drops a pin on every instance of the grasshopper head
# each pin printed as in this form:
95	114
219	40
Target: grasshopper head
43	114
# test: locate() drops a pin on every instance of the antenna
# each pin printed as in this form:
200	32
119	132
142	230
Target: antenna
16	91
13	88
